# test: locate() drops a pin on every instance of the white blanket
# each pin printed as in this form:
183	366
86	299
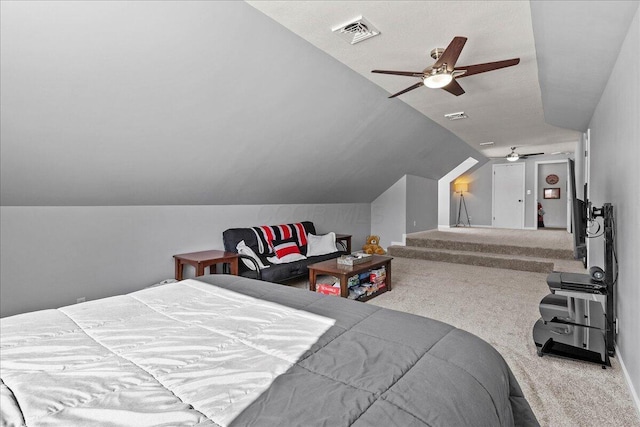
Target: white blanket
187	353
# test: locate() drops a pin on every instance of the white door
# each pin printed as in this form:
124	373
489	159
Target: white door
508	195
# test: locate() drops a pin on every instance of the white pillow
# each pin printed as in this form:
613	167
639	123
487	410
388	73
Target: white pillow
243	249
285	259
321	245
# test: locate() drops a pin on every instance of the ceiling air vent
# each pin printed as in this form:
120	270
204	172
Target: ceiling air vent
356	31
456	116
487	143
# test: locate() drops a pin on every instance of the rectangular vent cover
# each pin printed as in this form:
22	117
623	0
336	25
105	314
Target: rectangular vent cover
356	31
456	116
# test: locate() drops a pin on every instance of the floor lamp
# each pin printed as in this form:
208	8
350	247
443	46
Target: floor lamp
461	187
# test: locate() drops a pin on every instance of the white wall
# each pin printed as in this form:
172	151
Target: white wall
51	256
389	214
445	190
614	170
422	204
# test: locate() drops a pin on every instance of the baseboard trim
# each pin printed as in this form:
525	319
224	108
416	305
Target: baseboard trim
634	394
403	243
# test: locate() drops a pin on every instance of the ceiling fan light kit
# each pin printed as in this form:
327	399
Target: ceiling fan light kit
438	80
513	156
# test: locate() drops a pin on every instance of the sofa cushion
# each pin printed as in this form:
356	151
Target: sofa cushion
321	245
286	259
283	272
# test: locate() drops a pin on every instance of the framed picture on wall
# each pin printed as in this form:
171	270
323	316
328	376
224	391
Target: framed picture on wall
551	193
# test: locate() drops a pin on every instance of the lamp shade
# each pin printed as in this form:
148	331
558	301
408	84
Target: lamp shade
460	187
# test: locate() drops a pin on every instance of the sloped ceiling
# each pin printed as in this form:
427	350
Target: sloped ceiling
567	49
577	44
504	106
160	103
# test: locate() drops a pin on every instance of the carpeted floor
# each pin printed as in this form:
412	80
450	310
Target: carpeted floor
501	307
541	238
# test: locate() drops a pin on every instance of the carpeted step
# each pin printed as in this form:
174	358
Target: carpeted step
489	248
511	262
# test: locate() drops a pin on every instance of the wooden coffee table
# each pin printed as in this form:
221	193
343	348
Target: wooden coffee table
343	272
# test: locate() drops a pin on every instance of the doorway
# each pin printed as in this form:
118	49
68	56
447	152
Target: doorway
553	175
508	195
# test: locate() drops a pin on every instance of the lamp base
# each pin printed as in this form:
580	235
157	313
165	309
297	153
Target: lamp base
460	205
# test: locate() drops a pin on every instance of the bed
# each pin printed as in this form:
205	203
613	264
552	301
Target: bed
230	351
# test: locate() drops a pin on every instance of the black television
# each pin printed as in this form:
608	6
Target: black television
580	211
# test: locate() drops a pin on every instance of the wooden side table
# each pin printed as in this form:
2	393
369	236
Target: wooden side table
346	238
204	259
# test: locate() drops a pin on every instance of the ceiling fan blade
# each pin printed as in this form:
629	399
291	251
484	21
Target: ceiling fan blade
488	66
400	73
415	86
454	88
451	53
524	156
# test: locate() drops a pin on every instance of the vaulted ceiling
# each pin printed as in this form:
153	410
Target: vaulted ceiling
541	109
170	103
155	103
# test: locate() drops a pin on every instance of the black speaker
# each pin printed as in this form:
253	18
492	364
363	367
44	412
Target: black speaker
596	274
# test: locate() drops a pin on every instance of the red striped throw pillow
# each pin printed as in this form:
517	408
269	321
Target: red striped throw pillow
285	247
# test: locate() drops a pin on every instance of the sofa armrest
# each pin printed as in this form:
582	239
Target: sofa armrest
255	264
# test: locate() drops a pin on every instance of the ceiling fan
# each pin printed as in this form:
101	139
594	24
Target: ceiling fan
513	156
443	73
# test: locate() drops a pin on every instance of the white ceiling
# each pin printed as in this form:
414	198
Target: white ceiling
503	106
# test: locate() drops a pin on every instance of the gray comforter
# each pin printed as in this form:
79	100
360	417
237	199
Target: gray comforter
230	351
379	367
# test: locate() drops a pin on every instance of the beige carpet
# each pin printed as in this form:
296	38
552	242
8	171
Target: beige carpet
541	238
501	307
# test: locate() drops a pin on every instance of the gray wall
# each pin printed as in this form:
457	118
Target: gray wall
132	131
615	158
410	199
52	255
422	204
555	209
389	213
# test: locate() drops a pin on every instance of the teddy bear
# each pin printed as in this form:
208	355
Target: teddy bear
372	246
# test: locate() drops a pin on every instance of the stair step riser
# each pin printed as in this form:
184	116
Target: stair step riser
490	248
467	259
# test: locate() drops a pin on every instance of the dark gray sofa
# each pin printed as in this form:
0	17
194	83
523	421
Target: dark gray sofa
274	272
